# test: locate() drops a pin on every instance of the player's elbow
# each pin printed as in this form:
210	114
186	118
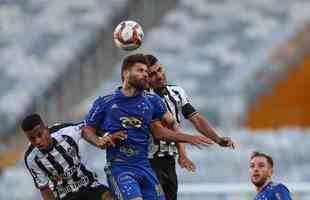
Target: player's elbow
88	130
156	129
158	135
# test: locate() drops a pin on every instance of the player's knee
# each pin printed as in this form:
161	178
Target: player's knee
107	196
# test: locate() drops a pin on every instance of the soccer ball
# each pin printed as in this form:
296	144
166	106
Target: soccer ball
128	35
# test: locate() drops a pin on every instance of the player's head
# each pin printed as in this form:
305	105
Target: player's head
135	71
36	131
157	76
261	168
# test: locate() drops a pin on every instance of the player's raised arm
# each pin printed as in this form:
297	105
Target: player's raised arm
204	127
163	133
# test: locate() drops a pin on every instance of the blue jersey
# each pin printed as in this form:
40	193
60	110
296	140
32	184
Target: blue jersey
132	114
274	191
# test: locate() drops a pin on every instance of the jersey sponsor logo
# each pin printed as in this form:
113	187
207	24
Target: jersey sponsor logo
129	151
66	175
161	148
69	172
74	186
131	122
126	177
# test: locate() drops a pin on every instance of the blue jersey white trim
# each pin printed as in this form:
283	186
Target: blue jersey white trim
274	191
133	115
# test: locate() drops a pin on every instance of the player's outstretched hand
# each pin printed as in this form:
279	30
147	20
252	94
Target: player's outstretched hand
110	139
102	142
184	162
200	141
227	142
119	135
210	142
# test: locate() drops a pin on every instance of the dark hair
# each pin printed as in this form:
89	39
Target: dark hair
151	59
130	60
260	154
31	121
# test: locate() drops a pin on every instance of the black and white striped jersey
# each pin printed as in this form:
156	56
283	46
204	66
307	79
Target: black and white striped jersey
60	167
177	102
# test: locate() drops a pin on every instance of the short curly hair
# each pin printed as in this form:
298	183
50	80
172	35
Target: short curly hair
30	121
151	59
130	60
260	154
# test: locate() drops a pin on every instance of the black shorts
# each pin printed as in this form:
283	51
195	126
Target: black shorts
88	193
166	173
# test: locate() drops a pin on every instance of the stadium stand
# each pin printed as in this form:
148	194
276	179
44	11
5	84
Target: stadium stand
221	45
39	41
278	95
53	53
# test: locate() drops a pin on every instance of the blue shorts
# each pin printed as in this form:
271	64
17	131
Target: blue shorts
129	181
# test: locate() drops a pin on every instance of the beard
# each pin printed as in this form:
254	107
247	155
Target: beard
138	84
260	182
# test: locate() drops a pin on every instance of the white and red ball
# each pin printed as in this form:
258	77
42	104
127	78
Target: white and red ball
128	35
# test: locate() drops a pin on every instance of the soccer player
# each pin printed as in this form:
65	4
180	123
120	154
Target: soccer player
135	111
261	169
53	160
162	157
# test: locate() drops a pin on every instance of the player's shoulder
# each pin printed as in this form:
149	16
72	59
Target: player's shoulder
151	95
178	90
30	154
104	99
174	87
58	126
68	129
148	93
279	186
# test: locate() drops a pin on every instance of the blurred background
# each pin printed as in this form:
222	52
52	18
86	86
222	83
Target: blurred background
245	65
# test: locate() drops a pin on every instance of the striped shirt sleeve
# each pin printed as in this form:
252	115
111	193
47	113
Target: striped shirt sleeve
39	177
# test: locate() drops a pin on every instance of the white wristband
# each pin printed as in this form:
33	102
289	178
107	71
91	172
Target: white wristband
106	134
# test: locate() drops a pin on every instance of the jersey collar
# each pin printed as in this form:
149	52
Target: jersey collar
162	91
51	147
266	186
119	93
